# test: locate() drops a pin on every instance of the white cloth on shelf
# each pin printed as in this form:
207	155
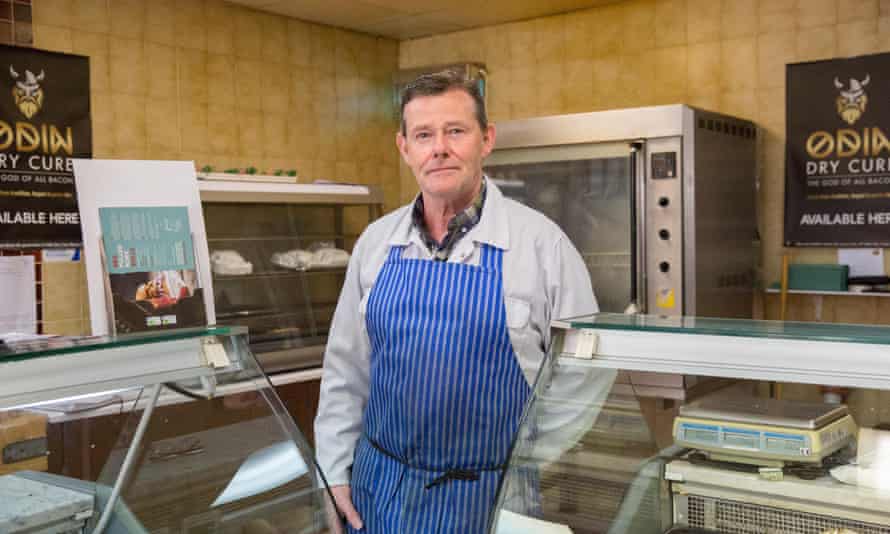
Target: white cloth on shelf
296	259
229	262
330	257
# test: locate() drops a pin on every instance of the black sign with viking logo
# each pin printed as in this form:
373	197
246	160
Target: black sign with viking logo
837	165
44	123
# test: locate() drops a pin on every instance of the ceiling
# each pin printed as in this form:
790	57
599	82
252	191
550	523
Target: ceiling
408	19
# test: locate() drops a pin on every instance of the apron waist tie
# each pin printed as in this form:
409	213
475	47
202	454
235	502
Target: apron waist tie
470	475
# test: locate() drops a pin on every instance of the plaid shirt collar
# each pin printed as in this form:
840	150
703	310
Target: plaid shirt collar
458	226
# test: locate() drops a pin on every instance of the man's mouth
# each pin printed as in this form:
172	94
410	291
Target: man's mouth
441	169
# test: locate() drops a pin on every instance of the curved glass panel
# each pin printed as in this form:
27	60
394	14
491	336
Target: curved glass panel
620	451
205	450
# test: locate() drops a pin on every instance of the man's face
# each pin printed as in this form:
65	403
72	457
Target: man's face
444	145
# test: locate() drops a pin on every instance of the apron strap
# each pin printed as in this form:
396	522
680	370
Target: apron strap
470	475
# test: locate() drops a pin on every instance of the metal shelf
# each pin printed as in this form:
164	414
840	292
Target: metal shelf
304	237
279	274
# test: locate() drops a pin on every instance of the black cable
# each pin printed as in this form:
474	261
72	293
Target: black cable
185	392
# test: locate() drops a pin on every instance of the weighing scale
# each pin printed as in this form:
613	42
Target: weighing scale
764	432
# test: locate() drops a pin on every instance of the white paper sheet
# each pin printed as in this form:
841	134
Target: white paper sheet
513	523
862	261
19	311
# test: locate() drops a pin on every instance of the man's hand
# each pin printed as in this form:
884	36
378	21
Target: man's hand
343	497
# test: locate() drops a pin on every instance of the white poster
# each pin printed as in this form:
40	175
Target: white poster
19	311
136	184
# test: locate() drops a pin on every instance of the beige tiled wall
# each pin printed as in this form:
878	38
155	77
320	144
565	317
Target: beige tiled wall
726	56
226	86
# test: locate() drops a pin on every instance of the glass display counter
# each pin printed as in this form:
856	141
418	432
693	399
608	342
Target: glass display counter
790	436
173	432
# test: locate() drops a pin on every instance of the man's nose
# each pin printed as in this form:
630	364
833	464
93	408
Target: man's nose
440	145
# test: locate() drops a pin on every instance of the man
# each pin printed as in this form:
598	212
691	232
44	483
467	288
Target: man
441	325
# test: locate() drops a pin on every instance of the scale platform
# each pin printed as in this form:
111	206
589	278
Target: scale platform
766	432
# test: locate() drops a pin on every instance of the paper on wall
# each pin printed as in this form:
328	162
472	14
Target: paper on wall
19	311
862	261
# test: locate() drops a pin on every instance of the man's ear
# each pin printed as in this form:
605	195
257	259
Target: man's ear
488	137
401	143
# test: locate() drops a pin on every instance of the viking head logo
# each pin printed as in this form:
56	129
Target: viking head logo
851	103
28	94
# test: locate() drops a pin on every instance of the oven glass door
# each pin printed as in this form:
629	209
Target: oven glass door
589	190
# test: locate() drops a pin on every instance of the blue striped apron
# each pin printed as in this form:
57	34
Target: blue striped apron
445	400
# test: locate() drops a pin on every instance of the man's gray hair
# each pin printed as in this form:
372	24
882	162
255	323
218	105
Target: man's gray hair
441	82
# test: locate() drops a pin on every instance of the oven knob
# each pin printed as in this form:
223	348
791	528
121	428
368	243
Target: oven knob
664	234
664	266
663	201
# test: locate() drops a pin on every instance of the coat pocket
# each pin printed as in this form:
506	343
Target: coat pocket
518	312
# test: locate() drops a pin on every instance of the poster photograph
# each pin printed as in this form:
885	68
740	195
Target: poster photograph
837	168
44	123
152	282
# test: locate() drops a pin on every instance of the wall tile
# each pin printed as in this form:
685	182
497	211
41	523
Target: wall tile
577	94
635	80
607	91
163	127
521	42
161	64
248	34
250	134
323	48
739	19
671	66
857	38
703	20
884	33
90	16
776	15
128	66
159	26
129	122
639	19
52	13
774	52
190	24
495	49
579	27
94	45
192	75
814	13
127	18
248	86
274	135
672	19
274	39
739	58
549	40
299	43
53	38
275	82
102	119
220	25
855	10
550	88
608	30
816	43
704	67
221	81
193	125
